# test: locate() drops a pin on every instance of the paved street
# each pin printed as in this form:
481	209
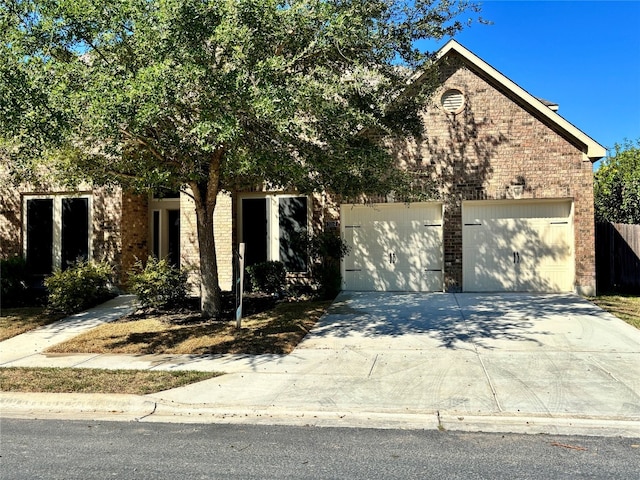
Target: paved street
129	450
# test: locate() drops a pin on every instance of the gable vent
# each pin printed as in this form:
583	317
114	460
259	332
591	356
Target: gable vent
452	101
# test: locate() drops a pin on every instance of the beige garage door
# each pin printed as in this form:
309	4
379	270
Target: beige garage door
393	247
523	246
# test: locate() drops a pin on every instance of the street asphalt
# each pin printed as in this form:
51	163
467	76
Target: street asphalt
524	363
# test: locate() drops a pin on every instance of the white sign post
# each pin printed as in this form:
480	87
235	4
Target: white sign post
239	284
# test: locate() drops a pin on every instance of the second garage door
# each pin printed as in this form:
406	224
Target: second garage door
522	246
393	247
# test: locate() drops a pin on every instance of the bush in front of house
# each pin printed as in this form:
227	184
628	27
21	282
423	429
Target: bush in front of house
326	249
157	284
267	277
13	281
79	287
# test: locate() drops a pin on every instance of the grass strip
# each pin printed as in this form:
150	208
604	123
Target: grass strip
625	307
14	321
92	380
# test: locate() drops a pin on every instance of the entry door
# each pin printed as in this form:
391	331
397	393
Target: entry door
392	247
522	246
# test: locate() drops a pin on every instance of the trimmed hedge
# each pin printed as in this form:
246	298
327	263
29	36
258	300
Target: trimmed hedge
267	277
82	286
158	284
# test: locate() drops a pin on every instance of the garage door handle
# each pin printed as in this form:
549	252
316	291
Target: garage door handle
516	257
392	258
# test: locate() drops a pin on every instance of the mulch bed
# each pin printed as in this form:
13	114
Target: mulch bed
189	313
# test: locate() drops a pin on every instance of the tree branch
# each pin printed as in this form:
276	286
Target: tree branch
145	143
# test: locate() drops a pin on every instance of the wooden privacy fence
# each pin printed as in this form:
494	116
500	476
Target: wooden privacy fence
618	258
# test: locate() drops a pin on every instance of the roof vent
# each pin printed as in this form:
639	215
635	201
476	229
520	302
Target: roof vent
550	105
452	101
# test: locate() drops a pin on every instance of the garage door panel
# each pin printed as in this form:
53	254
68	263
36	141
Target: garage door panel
491	269
395	247
522	246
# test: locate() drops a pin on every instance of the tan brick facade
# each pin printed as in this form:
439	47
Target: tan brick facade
10	218
115	219
135	230
224	238
484	151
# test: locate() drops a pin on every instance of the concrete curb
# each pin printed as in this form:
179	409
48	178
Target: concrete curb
104	407
74	405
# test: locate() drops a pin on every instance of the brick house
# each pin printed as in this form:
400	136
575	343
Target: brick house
513	209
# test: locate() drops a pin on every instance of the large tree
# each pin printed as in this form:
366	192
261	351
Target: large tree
617	185
214	95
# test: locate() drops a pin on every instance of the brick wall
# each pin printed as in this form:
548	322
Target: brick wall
224	238
134	227
106	239
10	218
106	207
482	152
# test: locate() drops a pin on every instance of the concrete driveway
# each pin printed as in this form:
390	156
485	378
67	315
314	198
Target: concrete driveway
493	362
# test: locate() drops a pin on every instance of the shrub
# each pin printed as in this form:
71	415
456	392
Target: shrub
82	286
13	281
158	284
267	277
325	251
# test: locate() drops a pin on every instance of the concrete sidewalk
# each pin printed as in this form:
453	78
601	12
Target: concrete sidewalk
27	349
13	350
508	363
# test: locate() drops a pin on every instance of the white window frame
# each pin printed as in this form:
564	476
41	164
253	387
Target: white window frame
162	205
273	219
57	223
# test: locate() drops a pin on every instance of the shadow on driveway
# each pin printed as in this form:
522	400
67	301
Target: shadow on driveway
452	320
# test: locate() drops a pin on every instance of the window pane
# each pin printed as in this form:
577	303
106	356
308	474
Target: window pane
40	236
75	231
293	231
254	230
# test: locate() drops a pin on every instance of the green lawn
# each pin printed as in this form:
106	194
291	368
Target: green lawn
625	307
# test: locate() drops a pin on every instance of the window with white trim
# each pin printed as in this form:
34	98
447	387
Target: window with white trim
165	226
273	227
57	231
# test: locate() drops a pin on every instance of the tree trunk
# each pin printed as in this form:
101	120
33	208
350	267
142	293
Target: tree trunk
205	195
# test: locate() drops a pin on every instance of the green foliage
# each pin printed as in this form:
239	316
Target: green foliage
158	284
216	94
325	251
267	277
145	93
82	286
13	280
617	186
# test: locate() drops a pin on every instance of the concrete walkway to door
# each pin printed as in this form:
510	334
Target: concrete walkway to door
492	362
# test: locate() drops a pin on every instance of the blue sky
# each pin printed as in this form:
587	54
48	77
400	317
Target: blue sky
583	55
